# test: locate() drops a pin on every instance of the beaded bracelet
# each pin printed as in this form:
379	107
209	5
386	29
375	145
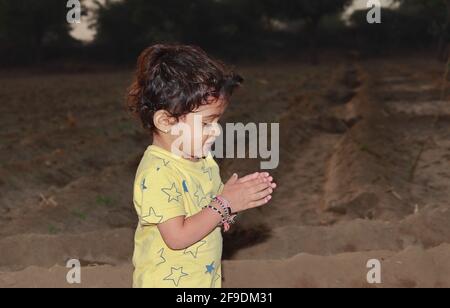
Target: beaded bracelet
224	204
227	219
217	211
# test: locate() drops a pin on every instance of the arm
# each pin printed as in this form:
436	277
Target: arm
180	233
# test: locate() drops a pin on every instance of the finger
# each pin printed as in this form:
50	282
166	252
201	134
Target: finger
264	174
249	177
234	178
269	179
258	188
251	184
260	202
262	194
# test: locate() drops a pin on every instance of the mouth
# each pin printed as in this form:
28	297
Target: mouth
209	143
208	146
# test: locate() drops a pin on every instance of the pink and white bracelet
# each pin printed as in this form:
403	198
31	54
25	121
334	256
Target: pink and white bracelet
226	214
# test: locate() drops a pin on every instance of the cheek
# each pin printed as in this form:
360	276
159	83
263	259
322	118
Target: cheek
185	120
197	136
205	138
188	127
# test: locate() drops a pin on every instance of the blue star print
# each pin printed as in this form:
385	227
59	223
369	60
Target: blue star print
210	268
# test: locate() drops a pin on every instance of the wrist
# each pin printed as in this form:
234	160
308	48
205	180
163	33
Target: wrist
222	208
224	203
226	207
218	212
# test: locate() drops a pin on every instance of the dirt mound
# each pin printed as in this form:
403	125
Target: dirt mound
413	267
111	247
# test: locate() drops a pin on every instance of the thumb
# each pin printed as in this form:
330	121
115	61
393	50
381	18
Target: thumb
233	179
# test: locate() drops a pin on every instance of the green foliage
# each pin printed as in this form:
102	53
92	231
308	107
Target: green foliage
105	201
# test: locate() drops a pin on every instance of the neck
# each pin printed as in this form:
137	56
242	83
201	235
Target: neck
162	143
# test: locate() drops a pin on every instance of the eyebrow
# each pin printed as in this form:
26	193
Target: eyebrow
213	116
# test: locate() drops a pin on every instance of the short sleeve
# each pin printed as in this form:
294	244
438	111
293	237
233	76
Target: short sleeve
161	197
221	187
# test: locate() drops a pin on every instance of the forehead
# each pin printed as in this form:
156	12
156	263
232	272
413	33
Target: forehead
216	107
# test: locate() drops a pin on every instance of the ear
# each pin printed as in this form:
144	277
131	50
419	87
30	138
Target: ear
163	121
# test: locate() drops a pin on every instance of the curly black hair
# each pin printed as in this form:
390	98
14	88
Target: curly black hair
178	79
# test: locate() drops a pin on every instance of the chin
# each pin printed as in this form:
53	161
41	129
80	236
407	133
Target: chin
204	154
207	149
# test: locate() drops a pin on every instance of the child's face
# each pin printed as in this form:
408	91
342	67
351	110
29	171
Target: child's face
203	128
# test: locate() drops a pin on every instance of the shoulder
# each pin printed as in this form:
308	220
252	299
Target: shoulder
151	163
210	161
156	170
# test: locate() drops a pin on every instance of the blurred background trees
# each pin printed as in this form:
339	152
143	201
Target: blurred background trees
413	24
310	12
35	31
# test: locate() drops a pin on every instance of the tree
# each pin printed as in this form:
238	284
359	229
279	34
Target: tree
27	27
311	12
437	12
126	27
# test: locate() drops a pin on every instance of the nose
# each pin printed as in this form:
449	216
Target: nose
215	130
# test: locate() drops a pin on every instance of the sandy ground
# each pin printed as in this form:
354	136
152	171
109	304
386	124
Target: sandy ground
365	151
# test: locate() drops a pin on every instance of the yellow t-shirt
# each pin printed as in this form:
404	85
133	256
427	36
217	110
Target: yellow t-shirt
167	186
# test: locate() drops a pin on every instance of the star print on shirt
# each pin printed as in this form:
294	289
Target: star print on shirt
176	273
210	268
200	195
143	187
165	162
152	217
185	188
209	171
161	253
215	279
193	250
172	193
